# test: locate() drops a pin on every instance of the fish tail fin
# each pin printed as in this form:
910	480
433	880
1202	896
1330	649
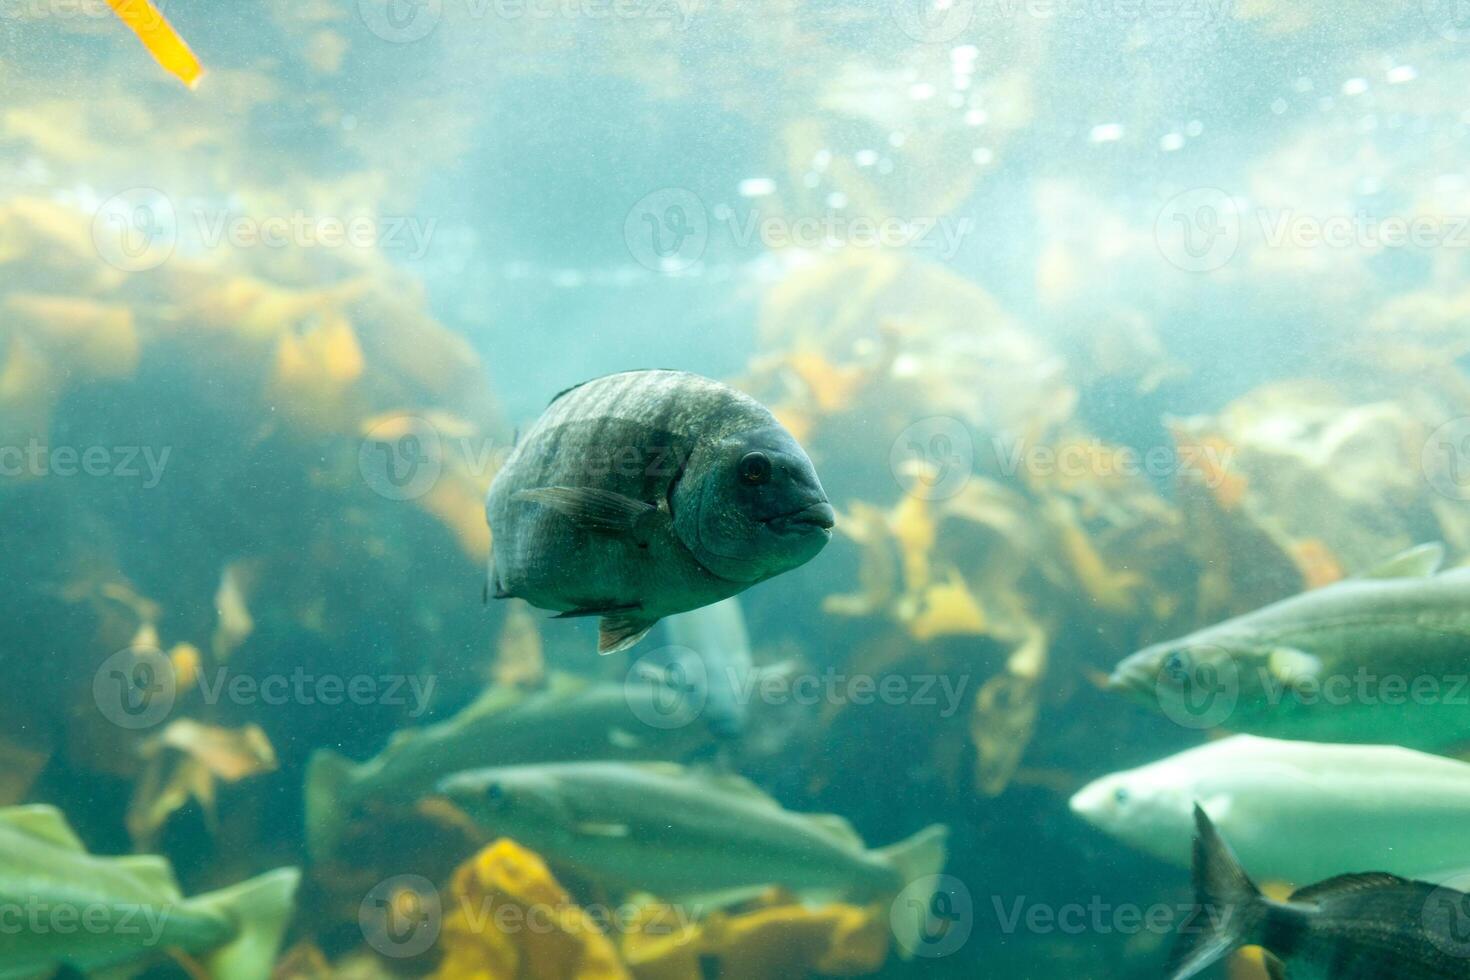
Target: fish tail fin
261	908
1229	910
915	858
329	777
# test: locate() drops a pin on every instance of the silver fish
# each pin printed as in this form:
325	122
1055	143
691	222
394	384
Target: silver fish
65	909
694	836
568	718
647	493
1380	658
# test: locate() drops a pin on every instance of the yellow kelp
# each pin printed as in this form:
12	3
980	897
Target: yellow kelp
159	37
780	938
507	883
185	762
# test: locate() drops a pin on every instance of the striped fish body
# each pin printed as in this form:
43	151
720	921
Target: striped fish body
625	500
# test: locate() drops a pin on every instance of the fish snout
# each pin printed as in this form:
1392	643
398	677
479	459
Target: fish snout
818	516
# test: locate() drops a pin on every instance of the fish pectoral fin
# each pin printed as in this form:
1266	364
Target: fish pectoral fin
617	633
603	829
608	610
153	871
1292	667
45	823
1419	561
1275	969
620	738
602	511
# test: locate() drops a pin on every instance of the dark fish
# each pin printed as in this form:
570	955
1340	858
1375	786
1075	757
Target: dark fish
1371	926
648	493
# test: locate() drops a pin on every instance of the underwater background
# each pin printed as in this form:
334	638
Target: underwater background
1101	320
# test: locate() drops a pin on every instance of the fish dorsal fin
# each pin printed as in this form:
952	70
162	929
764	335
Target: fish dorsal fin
45	823
837	828
1419	561
734	785
1347	885
153	871
491	701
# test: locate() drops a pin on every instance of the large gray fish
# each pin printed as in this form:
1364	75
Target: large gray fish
1381	658
569	718
648	493
64	909
694	836
1370	926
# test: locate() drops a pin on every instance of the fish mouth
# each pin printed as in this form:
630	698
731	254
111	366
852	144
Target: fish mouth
817	516
1130	679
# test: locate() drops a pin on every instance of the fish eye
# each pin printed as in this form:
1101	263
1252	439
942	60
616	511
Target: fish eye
1120	796
754	468
495	794
1176	665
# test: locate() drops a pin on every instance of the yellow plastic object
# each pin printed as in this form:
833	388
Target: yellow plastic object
159	37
